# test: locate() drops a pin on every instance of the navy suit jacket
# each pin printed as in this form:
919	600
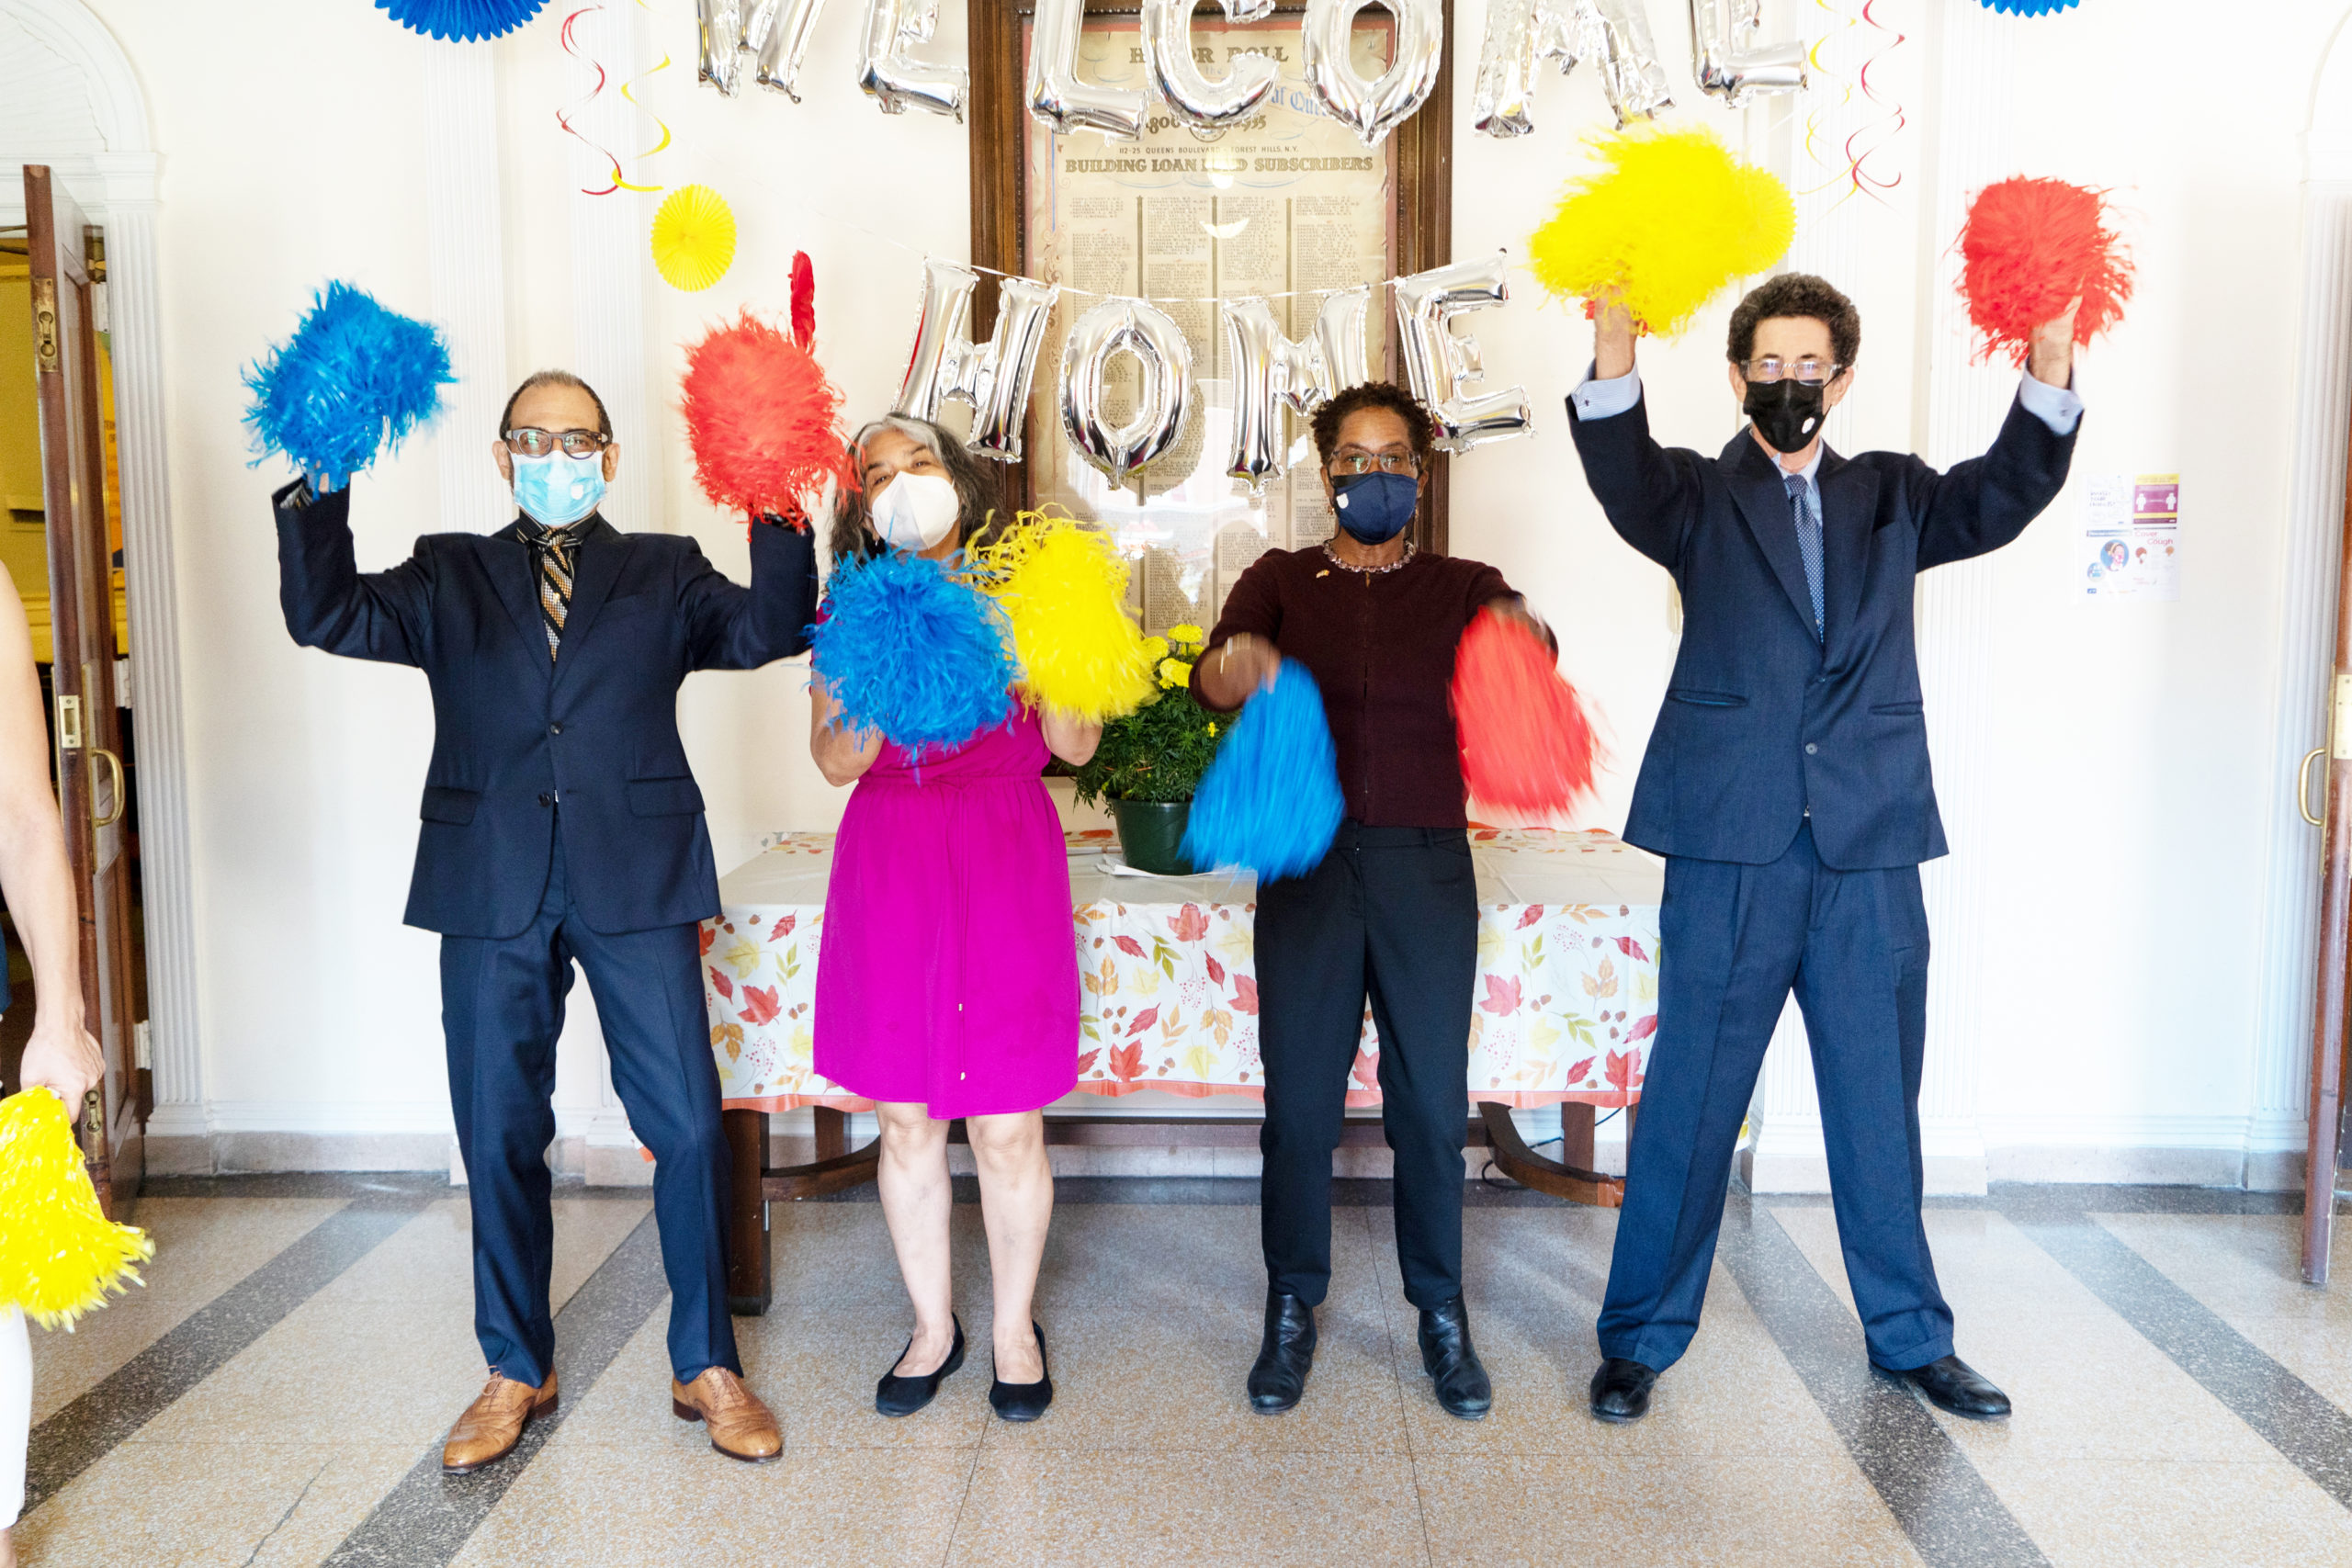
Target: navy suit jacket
1762	722
522	743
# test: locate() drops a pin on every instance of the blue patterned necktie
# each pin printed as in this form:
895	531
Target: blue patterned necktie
1808	523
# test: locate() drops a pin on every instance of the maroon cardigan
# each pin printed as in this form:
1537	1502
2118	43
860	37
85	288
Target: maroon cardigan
1380	645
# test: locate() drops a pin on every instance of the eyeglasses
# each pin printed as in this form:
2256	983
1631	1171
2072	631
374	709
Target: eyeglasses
1771	368
1386	462
530	442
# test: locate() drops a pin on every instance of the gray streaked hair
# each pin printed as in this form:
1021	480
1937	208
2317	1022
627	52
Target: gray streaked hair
853	537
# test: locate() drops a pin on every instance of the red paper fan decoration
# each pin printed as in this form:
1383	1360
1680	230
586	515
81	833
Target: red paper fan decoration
2027	247
763	420
1527	746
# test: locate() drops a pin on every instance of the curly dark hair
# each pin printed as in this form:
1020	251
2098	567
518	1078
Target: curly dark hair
852	537
1373	395
1797	294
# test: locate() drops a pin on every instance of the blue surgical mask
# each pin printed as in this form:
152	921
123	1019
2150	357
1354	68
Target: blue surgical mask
556	490
1375	508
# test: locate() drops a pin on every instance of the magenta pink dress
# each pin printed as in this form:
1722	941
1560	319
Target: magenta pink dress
947	973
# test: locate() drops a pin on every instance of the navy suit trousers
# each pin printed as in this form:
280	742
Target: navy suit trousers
1736	939
501	1009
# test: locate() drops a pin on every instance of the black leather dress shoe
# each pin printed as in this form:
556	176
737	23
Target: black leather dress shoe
1621	1390
1448	1357
1952	1384
895	1395
1025	1401
1278	1376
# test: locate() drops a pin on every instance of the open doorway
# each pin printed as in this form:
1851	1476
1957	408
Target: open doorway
25	552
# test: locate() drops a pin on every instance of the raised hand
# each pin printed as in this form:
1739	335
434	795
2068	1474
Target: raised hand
1612	336
2052	359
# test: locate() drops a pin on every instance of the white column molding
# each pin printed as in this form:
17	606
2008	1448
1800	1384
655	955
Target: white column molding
609	262
463	225
1961	407
69	99
2308	567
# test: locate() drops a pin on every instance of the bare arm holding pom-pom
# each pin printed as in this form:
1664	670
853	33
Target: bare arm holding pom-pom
1071	739
842	750
60	1056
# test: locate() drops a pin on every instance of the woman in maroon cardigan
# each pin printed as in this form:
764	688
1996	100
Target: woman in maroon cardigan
1392	912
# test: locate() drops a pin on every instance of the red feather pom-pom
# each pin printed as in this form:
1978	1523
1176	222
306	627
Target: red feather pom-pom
1527	747
2027	247
804	300
763	420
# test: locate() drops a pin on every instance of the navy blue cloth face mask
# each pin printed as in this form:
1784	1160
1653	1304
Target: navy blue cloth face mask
1375	508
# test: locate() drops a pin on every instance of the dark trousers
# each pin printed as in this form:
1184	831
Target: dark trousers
1392	912
1736	939
501	1009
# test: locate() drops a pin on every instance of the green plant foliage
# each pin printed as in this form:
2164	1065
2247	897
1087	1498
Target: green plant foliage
1160	751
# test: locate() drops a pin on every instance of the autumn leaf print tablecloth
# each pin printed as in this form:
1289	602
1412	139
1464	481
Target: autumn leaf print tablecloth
1564	1007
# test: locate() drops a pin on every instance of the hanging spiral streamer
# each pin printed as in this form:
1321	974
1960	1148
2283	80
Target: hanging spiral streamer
564	117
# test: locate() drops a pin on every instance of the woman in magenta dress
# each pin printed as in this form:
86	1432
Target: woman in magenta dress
947	975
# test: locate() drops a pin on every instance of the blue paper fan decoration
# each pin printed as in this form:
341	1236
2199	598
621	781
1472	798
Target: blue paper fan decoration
2029	8
912	651
353	380
1270	801
463	21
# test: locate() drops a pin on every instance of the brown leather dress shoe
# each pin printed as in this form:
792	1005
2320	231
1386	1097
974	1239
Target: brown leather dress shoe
741	1427
494	1423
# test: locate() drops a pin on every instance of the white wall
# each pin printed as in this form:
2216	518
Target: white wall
2126	796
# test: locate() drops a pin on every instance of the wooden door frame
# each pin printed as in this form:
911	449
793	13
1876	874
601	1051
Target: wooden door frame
115	176
998	139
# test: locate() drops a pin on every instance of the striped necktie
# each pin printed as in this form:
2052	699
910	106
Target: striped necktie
1808	523
554	549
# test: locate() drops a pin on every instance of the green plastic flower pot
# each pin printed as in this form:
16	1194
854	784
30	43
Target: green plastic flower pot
1151	835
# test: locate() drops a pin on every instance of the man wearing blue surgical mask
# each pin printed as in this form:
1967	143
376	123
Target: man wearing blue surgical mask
561	824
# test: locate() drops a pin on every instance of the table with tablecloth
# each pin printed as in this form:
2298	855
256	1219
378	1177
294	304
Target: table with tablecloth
1564	1007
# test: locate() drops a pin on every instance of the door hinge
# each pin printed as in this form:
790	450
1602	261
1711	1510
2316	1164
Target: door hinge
69	723
45	354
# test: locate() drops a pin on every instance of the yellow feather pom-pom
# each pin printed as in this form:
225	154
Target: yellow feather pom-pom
1668	219
1064	588
58	1254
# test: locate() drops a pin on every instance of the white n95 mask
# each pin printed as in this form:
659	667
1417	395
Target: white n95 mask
914	512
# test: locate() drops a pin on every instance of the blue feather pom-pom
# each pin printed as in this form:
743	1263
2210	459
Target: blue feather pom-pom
353	380
1270	801
464	20
908	650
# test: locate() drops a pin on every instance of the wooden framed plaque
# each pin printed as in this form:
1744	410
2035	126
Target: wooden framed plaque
1288	204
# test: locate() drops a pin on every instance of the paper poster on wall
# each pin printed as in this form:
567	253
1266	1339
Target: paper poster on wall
2130	540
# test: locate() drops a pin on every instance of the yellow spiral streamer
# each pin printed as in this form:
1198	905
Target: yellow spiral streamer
694	238
1064	587
59	1253
1667	221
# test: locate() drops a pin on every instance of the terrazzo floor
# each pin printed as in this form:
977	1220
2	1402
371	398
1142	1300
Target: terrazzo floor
278	1392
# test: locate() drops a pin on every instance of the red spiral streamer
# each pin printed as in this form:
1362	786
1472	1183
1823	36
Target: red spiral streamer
564	117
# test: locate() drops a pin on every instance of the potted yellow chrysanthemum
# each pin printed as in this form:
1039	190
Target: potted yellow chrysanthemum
1149	763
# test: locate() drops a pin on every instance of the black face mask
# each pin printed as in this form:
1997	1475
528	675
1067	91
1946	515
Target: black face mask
1787	413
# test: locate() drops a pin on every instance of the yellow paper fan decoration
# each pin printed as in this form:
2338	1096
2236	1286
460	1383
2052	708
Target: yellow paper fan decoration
694	238
1668	219
1064	588
59	1253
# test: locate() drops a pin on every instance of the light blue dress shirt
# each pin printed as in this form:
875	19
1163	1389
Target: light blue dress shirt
2057	407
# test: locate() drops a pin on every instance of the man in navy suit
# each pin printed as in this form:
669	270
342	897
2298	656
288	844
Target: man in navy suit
1787	785
561	824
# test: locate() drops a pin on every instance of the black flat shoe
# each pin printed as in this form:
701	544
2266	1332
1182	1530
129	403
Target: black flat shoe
1621	1390
1952	1384
1025	1401
895	1395
1448	1357
1279	1377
